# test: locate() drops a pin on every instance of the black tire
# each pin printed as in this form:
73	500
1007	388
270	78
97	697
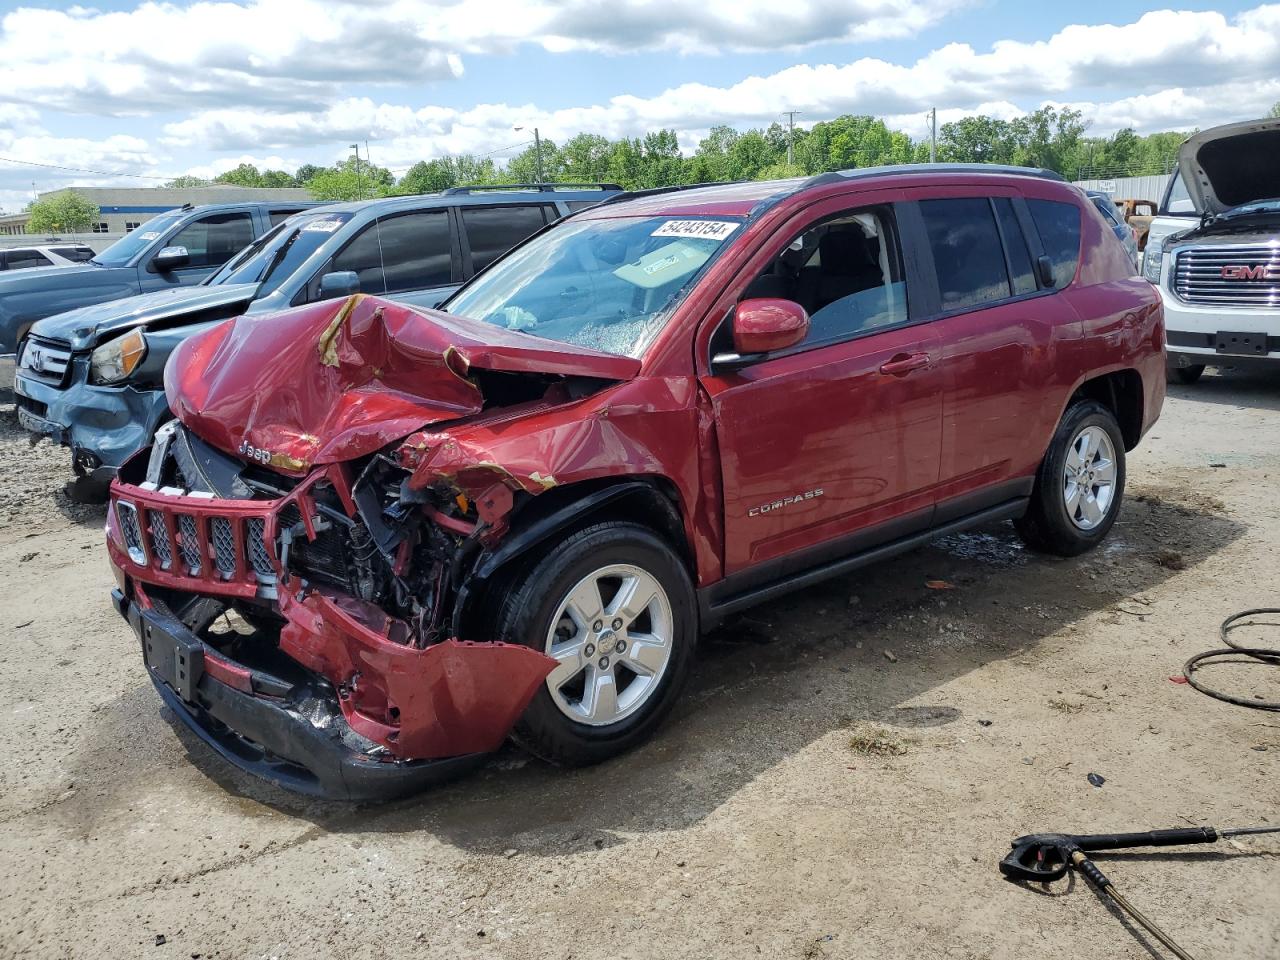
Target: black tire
1047	526
532	597
1184	375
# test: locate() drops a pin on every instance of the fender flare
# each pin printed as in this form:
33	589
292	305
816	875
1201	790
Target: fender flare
522	539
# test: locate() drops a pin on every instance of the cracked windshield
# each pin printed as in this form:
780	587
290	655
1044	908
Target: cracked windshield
608	285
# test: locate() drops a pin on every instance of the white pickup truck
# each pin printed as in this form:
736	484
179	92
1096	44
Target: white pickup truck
1214	251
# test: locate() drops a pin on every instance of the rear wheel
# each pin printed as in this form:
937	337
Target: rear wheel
1079	485
614	607
1184	375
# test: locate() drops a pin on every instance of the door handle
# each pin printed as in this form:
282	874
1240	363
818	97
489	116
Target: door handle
904	363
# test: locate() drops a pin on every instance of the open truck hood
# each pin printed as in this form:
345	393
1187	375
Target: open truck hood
1236	163
337	380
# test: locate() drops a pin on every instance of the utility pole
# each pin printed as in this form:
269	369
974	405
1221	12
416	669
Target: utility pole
537	152
791	135
933	135
359	178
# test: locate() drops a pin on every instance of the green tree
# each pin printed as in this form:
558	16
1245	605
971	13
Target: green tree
277	178
245	175
1275	110
179	183
334	184
305	173
585	158
979	139
428	176
65	211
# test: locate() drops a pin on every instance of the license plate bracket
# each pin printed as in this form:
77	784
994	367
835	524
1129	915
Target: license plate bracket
1240	344
176	659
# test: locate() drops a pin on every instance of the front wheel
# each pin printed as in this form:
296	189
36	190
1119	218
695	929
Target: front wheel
614	607
1079	485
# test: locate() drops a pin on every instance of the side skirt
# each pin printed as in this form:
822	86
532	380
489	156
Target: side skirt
715	603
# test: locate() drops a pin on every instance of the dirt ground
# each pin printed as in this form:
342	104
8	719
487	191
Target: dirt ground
840	780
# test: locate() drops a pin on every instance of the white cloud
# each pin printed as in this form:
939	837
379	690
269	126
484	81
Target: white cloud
284	53
1222	70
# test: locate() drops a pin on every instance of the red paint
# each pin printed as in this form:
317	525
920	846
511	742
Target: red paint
768	324
889	427
304	391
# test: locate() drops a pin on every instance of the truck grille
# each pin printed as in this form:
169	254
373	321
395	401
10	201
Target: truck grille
1245	276
45	360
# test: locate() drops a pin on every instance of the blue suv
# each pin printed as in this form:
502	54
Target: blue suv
93	378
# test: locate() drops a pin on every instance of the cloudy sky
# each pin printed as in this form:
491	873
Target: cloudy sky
162	89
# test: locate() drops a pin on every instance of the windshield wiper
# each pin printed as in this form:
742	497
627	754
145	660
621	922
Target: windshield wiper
279	255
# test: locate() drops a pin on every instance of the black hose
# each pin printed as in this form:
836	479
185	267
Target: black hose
1261	654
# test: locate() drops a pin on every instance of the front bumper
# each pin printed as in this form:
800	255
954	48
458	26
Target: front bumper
1198	334
103	426
272	738
408	703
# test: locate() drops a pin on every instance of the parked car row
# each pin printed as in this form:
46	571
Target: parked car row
92	377
441	516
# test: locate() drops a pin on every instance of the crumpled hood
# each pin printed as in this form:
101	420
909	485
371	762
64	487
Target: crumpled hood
87	326
337	380
1235	163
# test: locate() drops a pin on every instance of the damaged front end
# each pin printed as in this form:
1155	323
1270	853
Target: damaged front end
300	611
305	632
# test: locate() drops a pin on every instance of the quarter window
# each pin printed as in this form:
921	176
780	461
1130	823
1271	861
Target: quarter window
212	241
967	256
1059	227
1015	246
492	231
845	272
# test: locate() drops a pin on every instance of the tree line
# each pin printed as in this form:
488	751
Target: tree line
1053	138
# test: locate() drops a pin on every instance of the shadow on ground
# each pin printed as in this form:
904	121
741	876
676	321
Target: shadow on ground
1242	388
765	686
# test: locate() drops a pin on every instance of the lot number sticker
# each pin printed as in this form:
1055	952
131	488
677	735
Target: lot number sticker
696	229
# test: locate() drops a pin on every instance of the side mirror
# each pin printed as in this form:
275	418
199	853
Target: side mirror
768	324
340	283
761	326
171	258
1045	268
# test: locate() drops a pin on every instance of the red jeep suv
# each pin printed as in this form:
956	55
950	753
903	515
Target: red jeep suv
378	540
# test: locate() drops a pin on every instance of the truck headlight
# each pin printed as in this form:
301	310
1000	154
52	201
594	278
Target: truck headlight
1151	260
116	359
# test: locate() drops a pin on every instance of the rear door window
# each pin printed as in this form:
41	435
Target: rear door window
1015	246
212	241
492	231
967	256
1059	227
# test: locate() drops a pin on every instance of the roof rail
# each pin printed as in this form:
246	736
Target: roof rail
658	191
540	187
922	168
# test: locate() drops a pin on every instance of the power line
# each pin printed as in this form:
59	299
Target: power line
97	173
